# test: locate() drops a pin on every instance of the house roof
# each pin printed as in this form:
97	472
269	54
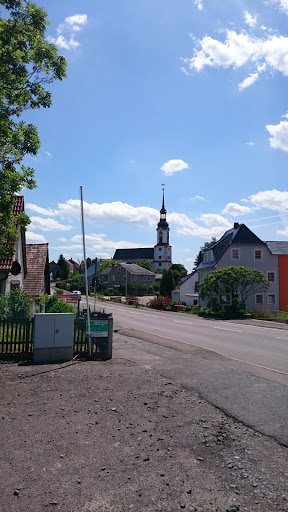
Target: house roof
280	248
144	253
18	207
238	235
36	255
185	278
135	269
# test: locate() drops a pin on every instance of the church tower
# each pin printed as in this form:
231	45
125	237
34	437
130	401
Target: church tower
162	250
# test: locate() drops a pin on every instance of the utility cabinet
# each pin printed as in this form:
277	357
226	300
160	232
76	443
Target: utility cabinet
53	337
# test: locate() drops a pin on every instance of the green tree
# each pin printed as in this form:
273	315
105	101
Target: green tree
62	270
167	283
28	64
16	304
179	271
107	264
199	257
238	283
144	264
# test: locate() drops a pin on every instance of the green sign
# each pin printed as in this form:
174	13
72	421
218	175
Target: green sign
98	328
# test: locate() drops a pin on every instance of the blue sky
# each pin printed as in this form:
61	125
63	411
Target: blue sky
192	94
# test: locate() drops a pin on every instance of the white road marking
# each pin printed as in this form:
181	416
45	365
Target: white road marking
279	338
225	329
181	322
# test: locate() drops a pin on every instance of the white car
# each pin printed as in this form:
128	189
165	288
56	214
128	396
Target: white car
76	292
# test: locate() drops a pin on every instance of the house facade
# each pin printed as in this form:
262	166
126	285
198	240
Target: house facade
189	288
124	274
13	269
239	246
37	281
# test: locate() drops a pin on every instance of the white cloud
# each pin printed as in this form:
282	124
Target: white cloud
64	43
250	143
98	241
34	237
71	25
48	154
180	219
240	49
282	4
214	218
39	209
115	211
199	4
283	232
172	166
235	209
197	197
48	224
76	21
247	82
279	132
271	199
250	19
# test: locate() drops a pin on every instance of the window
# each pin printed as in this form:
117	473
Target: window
196	289
135	278
258	254
148	278
160	264
225	299
124	278
235	254
119	269
271	277
14	284
259	298
271	298
208	256
112	278
160	257
160	248
144	278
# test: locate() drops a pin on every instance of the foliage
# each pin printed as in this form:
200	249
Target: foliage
144	264
132	300
167	283
107	264
61	307
238	283
160	303
203	248
16	305
28	64
62	268
179	271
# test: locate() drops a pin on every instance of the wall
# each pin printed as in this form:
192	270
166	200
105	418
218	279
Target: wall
283	281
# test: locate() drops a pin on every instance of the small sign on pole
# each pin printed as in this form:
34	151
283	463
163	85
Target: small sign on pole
70	298
98	328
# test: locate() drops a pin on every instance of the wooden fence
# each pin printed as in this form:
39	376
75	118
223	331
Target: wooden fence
16	340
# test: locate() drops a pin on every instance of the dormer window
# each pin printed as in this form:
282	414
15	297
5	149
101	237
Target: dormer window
208	256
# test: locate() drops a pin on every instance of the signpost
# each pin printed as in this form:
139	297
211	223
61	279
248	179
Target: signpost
70	298
98	328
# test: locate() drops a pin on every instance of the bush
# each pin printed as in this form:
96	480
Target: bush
61	307
109	291
17	304
160	303
132	300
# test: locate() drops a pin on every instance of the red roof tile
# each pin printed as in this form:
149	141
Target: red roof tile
36	255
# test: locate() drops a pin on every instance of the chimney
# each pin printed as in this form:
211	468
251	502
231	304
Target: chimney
236	225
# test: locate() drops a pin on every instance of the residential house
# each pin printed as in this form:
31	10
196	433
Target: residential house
189	288
239	246
37	281
73	266
118	275
13	269
280	250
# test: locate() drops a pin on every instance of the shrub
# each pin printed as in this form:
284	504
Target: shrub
61	307
161	303
132	300
17	304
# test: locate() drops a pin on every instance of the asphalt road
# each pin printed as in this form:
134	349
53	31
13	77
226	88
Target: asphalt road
259	346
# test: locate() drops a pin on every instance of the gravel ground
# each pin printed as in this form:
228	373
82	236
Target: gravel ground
116	436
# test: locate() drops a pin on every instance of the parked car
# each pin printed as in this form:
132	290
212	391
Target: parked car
76	292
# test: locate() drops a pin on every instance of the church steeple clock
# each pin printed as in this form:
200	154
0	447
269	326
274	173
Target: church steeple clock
162	250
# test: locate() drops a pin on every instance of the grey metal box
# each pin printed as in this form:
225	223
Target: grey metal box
53	337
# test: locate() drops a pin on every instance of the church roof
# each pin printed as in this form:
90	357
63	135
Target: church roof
138	253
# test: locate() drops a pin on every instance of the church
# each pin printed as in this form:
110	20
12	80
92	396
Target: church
160	256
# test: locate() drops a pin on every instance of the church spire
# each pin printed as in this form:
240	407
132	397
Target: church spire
163	209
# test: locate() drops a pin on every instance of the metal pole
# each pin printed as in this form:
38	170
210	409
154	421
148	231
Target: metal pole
126	283
86	277
95	283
